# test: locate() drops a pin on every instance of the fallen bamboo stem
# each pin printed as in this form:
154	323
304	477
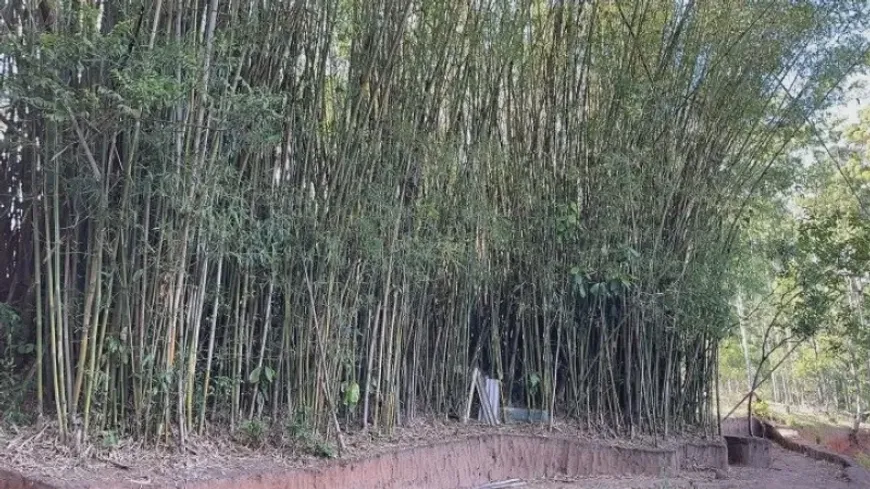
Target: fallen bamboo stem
503	484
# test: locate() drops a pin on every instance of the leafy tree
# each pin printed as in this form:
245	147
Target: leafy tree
234	212
825	258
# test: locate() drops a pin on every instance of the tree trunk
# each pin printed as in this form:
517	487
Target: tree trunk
744	342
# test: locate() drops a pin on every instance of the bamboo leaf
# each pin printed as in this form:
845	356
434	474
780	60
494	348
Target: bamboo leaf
254	377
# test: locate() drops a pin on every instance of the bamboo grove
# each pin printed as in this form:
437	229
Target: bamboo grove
328	212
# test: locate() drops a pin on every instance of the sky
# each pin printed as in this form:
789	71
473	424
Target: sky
856	98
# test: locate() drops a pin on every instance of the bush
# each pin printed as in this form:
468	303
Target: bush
761	409
863	459
252	432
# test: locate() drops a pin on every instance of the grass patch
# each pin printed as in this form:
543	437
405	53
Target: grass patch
863	460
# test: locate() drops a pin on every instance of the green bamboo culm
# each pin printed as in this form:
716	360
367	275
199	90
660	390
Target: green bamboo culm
328	212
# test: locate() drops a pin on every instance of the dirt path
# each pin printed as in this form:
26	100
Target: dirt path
788	471
37	455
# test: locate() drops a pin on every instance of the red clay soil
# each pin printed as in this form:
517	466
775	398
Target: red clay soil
459	463
850	469
492	455
788	470
840	440
479	460
829	437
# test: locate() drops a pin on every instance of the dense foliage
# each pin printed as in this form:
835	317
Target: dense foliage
326	212
815	251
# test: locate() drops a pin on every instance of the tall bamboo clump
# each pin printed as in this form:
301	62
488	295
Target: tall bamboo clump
328	211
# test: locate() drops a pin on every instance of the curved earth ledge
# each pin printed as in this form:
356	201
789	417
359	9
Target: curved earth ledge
466	463
478	460
854	471
13	480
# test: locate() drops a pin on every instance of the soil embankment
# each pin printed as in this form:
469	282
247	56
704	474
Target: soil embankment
476	461
788	470
470	462
14	480
545	462
851	469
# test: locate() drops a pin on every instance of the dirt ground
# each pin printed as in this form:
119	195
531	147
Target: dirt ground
788	471
833	437
36	452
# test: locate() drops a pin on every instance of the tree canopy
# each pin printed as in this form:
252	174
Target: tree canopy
329	211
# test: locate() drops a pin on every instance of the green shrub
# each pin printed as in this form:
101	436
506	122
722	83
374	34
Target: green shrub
306	439
761	409
863	459
252	432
